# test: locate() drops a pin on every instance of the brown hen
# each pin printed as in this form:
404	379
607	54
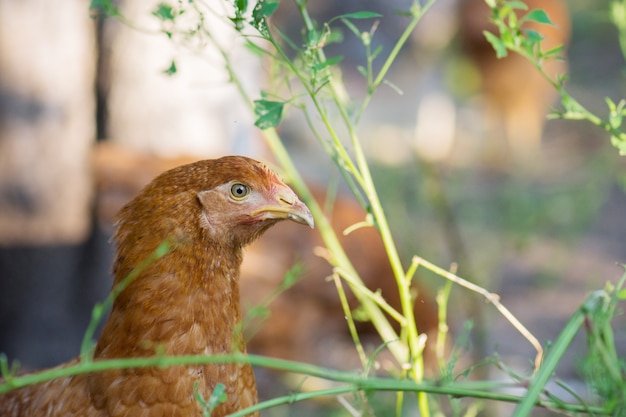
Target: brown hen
186	302
307	322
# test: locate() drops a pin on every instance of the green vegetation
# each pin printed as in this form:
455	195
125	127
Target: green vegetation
306	80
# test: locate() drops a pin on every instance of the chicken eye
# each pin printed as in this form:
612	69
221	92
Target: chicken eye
239	191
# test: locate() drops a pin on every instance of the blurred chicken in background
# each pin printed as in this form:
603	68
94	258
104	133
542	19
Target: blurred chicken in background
516	97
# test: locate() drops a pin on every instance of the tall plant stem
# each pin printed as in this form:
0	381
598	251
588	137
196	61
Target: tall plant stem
415	356
339	257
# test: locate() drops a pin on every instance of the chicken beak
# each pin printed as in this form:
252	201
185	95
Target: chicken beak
287	206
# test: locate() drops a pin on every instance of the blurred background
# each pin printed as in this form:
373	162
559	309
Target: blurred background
468	167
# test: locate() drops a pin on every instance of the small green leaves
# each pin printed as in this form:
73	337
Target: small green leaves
554	53
8	371
359	15
539	16
241	6
292	276
497	43
355	15
269	113
261	12
264	9
105	6
171	70
513	35
520	5
365	36
533	36
218	396
616	118
573	109
327	63
164	12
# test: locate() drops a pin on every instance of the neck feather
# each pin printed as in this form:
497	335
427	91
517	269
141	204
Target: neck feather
186	302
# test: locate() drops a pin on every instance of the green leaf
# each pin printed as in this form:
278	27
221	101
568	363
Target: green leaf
508	38
327	63
361	314
218	396
572	109
8	371
269	113
171	70
377	52
620	144
263	10
621	294
512	20
533	36
520	5
554	52
539	16
397	89
497	44
164	12
359	15
241	6
345	19
611	104
105	6
615	120
293	275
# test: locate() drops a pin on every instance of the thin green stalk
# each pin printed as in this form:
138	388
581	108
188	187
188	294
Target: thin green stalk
618	17
293	398
417	12
442	298
342	153
357	382
370	192
340	258
351	325
415	347
100	310
374	296
493	299
366	182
